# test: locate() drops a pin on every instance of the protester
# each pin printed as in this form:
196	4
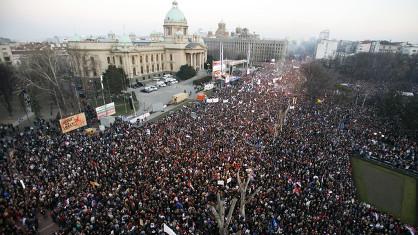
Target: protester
132	180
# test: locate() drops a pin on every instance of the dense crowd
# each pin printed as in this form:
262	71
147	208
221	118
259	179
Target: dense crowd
132	179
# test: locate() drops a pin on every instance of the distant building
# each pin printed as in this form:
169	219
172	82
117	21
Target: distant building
221	31
21	51
144	58
6	54
389	47
324	35
237	48
347	47
237	43
364	46
410	49
326	49
379	47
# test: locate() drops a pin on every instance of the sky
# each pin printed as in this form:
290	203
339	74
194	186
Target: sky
35	20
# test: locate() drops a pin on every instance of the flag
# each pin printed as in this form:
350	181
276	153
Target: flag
101	81
273	225
411	229
168	230
23	184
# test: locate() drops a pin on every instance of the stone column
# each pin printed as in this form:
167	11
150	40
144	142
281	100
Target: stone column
201	61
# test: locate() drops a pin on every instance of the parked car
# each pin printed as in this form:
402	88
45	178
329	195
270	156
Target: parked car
174	81
160	84
149	89
137	85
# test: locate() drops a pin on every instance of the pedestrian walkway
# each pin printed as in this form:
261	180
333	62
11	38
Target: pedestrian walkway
46	225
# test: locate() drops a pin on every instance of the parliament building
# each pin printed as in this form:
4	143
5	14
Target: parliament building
141	59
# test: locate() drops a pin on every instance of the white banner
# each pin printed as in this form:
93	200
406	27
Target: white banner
168	230
105	110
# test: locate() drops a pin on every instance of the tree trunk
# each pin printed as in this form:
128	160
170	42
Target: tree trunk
57	101
242	207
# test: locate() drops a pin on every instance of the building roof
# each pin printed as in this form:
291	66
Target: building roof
175	15
75	38
125	39
193	45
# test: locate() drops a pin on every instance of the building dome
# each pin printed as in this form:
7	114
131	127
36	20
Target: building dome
175	15
75	38
125	39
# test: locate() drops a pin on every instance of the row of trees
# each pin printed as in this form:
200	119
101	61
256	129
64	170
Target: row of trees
378	67
383	79
186	72
47	77
45	73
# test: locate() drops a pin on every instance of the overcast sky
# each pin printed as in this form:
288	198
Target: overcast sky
395	20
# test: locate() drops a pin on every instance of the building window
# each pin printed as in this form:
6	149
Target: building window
108	60
120	60
171	57
134	71
152	58
133	59
158	67
162	66
162	57
171	66
142	70
94	72
113	60
92	59
152	68
140	59
146	58
147	69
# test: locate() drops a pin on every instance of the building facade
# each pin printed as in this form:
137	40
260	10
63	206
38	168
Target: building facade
324	34
142	59
379	47
237	49
5	54
326	49
410	49
237	44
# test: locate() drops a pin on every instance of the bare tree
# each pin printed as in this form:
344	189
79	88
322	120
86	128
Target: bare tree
7	85
219	213
47	70
244	199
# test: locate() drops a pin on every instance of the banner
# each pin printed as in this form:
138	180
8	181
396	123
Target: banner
73	122
217	69
168	230
105	110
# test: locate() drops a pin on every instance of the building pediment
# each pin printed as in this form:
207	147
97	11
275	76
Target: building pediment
194	45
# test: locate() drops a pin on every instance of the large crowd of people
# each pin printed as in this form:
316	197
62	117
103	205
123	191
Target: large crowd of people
133	179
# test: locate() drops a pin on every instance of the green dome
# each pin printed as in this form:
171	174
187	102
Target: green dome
175	15
125	39
75	38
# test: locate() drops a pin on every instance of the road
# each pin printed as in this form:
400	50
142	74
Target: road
164	94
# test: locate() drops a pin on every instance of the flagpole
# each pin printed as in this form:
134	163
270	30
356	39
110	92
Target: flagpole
101	82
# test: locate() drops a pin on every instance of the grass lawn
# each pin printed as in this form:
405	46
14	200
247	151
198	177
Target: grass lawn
119	105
